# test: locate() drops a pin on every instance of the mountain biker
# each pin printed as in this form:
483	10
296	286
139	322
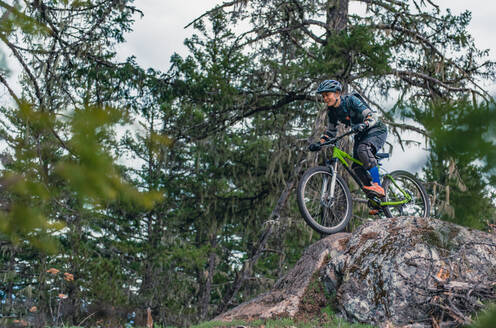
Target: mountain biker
352	111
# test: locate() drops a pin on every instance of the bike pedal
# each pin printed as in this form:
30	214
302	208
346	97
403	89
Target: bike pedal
374	206
369	194
375	197
375	200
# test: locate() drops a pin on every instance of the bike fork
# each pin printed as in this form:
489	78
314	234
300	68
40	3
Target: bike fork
333	179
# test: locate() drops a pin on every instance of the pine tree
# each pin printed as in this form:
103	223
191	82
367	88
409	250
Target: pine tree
395	52
173	191
464	143
59	162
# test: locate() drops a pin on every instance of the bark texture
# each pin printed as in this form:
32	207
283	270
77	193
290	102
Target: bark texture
410	270
285	298
399	272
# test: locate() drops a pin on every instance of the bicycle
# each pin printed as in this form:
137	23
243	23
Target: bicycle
325	201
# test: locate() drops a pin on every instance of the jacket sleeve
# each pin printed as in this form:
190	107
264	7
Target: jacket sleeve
369	116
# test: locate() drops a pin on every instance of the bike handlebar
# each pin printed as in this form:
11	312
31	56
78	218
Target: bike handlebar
335	140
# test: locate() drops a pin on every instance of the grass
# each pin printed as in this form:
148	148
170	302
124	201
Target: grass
326	319
335	323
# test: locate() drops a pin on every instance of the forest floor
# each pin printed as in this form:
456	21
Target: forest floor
316	310
327	319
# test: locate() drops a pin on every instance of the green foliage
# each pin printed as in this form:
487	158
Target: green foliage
462	138
358	45
156	190
17	19
91	174
464	131
86	172
336	322
485	319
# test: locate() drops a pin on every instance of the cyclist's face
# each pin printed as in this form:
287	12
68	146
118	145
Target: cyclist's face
331	98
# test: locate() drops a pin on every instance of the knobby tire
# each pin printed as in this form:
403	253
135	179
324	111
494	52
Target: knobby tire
420	205
317	217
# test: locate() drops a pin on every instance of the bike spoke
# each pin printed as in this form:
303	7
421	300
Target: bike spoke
327	212
415	207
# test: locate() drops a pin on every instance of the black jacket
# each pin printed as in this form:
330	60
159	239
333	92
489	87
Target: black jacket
353	111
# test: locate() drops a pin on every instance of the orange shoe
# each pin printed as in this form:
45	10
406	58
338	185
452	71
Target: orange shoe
373	212
376	189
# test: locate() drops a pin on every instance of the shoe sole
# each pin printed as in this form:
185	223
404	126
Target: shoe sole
374	193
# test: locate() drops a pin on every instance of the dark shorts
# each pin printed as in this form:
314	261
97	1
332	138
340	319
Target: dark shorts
377	141
365	148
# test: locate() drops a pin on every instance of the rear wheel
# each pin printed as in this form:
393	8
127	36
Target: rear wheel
324	214
402	180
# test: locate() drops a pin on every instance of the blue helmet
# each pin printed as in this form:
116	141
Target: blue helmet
329	86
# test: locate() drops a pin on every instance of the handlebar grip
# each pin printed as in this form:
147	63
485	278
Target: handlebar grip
334	140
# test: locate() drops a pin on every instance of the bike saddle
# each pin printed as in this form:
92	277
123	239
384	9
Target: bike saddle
381	155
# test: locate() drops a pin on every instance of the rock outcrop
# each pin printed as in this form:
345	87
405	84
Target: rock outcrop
406	271
414	270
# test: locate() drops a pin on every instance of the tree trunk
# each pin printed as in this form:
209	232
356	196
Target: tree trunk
337	16
209	273
286	296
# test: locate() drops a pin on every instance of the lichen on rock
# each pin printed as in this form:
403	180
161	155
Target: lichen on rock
395	272
413	270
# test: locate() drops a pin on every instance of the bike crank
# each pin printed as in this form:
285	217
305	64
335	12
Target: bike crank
374	203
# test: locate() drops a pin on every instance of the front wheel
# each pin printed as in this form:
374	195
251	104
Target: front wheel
323	213
396	184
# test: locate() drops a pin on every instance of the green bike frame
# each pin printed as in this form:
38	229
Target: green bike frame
341	156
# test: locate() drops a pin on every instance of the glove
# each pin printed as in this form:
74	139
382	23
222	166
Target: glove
359	127
324	138
316	146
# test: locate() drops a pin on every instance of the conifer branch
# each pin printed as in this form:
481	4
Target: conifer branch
219	7
21	61
431	79
11	92
425	41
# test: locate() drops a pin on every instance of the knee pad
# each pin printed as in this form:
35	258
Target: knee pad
366	156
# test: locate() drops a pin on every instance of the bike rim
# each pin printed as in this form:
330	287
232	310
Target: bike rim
416	207
326	212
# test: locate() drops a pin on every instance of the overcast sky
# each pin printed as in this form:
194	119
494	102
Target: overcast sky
161	32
